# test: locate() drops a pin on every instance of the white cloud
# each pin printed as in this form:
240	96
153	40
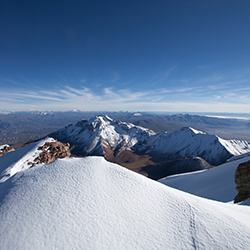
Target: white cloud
217	97
180	98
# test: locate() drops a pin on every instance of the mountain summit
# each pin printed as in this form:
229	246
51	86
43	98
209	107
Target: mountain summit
99	135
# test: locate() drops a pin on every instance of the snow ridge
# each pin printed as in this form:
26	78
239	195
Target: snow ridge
18	160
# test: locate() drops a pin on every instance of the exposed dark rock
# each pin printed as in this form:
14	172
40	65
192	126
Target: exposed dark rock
175	166
5	149
242	180
52	151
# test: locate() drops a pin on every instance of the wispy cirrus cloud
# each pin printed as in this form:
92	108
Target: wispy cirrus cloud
170	70
32	95
216	91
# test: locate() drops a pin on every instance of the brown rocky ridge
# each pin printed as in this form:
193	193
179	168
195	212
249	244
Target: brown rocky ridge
52	151
242	180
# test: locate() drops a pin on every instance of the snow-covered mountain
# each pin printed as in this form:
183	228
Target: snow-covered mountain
192	142
89	203
100	134
103	136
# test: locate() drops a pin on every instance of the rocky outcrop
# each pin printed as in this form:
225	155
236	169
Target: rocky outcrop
242	180
52	151
5	149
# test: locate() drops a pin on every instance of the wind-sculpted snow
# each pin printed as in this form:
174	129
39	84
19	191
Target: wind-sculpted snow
216	183
92	204
95	136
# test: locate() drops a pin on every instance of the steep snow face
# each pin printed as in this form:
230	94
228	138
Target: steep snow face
19	159
94	135
216	183
236	147
92	204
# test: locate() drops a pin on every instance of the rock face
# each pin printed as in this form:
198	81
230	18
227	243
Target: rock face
242	180
4	149
175	166
52	151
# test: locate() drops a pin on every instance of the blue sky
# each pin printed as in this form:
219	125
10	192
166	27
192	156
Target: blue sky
179	56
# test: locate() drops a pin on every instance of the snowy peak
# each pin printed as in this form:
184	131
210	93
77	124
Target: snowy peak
192	130
192	142
98	135
99	121
105	122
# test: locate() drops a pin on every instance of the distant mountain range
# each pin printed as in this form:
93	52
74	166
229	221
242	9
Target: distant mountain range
155	154
24	126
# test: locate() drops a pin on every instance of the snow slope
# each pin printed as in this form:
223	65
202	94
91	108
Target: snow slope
100	134
18	160
216	183
88	203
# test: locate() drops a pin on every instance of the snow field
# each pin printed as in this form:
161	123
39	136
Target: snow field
88	203
216	183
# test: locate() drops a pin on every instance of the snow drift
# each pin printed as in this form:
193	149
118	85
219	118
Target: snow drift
89	203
